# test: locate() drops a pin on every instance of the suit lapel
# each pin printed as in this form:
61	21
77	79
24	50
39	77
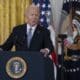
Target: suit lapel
24	35
35	35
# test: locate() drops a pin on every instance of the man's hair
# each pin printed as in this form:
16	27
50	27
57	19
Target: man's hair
32	6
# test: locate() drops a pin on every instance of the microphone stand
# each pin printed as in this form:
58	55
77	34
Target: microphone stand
62	37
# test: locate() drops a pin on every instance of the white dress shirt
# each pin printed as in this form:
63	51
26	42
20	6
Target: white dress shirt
33	28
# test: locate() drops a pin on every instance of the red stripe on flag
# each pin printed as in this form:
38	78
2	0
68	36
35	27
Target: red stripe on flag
54	57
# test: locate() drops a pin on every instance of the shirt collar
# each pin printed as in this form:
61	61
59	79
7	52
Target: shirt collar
33	27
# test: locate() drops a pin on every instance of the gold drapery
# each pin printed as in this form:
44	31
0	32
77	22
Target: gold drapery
11	14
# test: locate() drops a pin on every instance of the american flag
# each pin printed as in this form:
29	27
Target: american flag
71	3
70	7
45	11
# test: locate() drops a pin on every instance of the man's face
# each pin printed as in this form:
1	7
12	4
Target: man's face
33	16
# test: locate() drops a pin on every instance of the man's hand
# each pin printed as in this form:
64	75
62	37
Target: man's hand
45	51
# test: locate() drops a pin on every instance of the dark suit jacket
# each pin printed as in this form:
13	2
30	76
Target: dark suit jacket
18	37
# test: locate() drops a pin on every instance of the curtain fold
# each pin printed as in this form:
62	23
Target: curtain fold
6	19
1	19
11	14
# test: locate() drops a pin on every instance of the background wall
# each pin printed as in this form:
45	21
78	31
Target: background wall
11	14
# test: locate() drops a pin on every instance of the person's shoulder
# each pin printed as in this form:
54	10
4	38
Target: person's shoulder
42	28
19	26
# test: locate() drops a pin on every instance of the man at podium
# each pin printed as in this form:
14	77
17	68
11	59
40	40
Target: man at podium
30	36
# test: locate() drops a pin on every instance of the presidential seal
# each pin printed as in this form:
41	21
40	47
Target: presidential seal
16	67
